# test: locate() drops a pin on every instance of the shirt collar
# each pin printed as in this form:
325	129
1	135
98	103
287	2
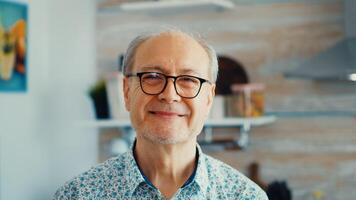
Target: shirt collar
134	177
201	176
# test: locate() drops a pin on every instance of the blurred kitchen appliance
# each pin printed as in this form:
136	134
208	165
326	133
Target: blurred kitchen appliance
337	63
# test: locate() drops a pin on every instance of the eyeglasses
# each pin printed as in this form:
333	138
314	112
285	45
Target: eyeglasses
154	83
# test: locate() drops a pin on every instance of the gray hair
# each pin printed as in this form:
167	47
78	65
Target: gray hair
128	61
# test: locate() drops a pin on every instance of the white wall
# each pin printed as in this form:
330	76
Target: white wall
42	143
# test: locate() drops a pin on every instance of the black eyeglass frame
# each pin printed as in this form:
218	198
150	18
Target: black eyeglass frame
140	74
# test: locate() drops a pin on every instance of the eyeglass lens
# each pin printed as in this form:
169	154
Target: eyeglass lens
155	83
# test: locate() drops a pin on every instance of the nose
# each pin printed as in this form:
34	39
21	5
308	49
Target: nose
169	93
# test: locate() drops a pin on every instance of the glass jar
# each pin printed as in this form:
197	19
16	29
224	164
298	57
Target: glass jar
247	100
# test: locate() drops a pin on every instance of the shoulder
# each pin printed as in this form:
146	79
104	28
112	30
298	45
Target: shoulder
231	181
91	184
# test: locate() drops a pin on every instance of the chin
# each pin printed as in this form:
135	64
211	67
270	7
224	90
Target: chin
162	140
165	137
159	139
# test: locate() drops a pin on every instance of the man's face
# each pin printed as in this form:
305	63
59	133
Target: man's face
167	118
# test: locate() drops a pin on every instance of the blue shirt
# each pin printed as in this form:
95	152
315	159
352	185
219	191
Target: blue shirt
120	178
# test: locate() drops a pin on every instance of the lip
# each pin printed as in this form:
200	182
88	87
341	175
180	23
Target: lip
166	114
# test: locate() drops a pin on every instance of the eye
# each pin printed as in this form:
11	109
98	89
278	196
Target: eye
188	79
188	82
152	78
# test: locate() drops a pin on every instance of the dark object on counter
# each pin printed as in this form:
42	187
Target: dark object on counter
254	175
278	190
230	72
99	96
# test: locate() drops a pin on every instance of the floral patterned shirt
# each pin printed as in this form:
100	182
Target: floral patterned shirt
120	178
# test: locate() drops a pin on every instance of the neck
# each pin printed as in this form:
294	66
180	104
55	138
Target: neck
168	167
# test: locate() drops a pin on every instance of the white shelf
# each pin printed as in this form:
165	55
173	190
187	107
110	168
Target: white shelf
244	123
109	123
225	122
233	122
173	4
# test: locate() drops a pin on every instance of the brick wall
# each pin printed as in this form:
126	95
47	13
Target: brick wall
314	153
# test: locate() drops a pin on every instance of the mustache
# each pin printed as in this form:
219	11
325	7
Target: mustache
180	109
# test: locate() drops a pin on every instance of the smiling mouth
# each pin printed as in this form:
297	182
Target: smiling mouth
166	114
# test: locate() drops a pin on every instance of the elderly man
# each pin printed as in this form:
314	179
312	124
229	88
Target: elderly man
168	89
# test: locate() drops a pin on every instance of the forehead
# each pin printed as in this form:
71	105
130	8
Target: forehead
173	52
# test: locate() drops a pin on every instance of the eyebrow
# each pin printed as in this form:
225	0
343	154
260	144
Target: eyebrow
160	69
152	67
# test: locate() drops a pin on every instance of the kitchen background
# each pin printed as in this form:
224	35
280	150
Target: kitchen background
49	134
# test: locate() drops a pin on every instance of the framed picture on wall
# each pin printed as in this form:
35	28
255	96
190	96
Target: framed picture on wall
13	46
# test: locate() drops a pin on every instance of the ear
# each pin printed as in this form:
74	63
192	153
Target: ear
126	89
211	95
